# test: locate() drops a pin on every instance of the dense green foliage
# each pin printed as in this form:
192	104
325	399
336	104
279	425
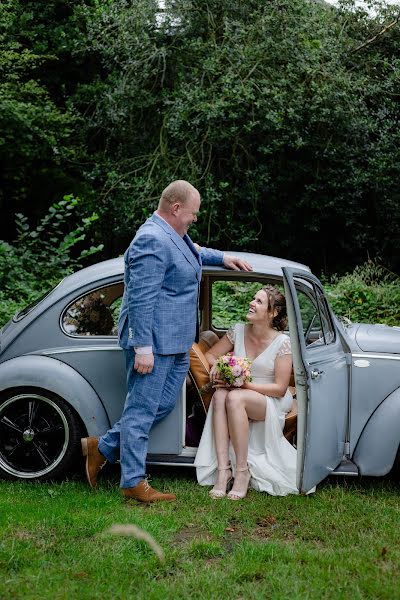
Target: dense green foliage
285	121
230	302
39	258
370	294
37	128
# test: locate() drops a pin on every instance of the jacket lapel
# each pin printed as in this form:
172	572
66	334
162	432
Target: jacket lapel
186	247
192	247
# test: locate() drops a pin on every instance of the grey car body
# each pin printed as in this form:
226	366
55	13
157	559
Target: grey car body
62	375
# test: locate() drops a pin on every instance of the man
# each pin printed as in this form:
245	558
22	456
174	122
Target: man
157	327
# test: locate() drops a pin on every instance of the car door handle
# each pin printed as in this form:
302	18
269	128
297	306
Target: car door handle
315	373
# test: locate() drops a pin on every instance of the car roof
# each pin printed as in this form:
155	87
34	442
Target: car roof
262	265
106	271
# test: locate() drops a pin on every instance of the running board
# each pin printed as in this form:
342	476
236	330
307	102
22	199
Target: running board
346	467
170	460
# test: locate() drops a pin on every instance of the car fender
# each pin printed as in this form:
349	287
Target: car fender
55	376
379	441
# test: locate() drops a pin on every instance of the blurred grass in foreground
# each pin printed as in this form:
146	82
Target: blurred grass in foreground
338	543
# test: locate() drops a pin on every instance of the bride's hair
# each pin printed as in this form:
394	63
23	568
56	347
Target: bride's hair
276	301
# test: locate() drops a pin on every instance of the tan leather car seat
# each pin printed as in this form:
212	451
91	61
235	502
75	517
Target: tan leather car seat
290	429
199	367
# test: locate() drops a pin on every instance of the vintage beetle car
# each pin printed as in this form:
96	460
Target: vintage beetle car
62	376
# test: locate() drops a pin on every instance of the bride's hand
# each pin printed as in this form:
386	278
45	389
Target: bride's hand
220	383
213	373
215	381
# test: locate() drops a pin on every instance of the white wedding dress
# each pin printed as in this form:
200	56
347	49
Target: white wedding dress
271	458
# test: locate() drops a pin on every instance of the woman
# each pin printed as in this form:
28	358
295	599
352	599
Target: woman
243	431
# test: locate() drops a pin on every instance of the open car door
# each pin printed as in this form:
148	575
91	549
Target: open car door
321	373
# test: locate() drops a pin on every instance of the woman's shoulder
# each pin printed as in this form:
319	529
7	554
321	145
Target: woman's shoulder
239	326
234	330
283	336
283	345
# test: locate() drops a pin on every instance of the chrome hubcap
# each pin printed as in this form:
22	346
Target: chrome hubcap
28	435
34	435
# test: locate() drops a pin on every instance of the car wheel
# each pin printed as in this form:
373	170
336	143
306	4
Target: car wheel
39	435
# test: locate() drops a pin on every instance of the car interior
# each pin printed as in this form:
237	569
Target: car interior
222	303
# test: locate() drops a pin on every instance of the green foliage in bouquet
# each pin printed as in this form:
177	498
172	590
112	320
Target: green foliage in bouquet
234	370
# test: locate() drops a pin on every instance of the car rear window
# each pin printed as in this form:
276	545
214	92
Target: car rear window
94	313
22	313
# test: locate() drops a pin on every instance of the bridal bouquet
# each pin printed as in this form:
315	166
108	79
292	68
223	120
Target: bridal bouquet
234	370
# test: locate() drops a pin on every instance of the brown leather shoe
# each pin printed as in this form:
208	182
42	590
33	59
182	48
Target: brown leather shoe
95	461
143	492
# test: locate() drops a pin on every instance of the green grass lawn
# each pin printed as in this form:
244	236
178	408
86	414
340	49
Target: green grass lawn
342	542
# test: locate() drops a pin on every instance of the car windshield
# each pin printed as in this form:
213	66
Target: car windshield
22	313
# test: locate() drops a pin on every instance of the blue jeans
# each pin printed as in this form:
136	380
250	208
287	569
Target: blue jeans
150	398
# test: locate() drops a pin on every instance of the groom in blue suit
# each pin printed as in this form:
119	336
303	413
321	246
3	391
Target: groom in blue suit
157	327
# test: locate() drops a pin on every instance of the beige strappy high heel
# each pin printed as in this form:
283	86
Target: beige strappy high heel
240	495
217	493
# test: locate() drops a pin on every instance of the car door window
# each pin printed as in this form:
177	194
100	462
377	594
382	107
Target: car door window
316	320
95	313
325	316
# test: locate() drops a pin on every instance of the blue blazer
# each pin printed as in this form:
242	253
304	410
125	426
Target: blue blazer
162	278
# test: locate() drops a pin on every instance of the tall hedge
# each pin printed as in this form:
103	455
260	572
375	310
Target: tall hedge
285	115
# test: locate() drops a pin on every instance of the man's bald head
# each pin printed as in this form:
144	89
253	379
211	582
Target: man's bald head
178	191
179	205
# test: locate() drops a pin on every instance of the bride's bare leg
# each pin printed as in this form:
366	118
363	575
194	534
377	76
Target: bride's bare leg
242	405
221	437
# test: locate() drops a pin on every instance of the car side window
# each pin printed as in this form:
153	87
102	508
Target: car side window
316	321
94	314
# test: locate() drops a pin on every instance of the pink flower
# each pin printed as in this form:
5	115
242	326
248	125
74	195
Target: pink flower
236	370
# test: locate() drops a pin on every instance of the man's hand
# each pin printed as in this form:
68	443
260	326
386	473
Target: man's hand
237	264
144	363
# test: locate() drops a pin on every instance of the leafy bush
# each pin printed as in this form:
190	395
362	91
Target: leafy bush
371	294
287	127
284	114
230	301
41	257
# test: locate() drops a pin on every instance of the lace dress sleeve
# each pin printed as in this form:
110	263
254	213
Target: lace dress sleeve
285	347
230	334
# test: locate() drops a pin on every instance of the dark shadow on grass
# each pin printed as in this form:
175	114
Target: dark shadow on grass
389	483
164	476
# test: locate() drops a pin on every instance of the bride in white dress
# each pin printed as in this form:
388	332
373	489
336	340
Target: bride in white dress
242	436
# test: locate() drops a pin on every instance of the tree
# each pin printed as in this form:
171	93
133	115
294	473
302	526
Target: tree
290	135
285	115
38	128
